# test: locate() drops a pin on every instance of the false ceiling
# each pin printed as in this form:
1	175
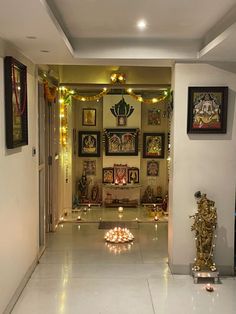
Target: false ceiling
105	31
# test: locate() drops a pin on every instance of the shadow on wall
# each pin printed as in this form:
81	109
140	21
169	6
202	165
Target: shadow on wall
226	265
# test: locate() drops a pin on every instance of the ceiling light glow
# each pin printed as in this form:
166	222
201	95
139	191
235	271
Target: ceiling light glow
141	24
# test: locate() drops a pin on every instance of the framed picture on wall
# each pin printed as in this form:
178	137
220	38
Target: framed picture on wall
15	74
89	144
121	142
89	117
153	145
154	116
152	168
207	109
120	174
108	175
89	167
133	175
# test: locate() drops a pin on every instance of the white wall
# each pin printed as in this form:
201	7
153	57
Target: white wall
201	162
18	194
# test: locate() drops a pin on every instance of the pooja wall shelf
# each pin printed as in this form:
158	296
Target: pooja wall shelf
126	195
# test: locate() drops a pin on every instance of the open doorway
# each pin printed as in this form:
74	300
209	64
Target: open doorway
119	152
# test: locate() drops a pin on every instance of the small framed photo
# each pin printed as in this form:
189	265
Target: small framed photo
153	145
89	117
16	117
133	175
154	116
152	168
89	167
207	109
120	174
121	120
108	175
89	144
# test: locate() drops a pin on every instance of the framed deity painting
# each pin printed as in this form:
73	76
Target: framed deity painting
15	75
152	168
108	175
89	117
154	116
207	109
89	144
121	142
89	167
133	175
120	174
153	145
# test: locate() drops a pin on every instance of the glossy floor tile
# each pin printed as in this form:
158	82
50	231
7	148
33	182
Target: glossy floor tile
80	274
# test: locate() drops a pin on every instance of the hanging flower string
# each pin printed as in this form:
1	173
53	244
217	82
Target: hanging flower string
50	93
20	107
66	93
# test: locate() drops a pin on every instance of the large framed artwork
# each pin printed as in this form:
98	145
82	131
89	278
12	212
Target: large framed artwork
15	74
89	117
121	142
108	175
207	109
89	144
153	145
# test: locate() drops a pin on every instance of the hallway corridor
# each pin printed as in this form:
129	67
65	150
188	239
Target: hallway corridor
80	274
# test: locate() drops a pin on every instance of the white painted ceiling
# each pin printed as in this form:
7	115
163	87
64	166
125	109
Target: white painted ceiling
105	32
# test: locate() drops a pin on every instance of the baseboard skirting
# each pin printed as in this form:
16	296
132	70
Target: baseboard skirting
22	284
224	270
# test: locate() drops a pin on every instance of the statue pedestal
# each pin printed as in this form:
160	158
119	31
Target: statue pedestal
212	275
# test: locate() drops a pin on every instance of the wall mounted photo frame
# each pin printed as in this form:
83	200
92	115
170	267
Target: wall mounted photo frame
152	168
108	175
121	142
89	117
15	75
133	175
121	120
89	167
207	109
153	145
154	116
89	144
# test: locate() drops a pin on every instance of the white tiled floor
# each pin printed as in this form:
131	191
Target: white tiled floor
80	274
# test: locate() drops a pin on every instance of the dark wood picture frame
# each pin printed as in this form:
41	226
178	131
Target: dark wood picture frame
89	117
89	144
207	109
16	116
121	142
133	175
108	175
153	145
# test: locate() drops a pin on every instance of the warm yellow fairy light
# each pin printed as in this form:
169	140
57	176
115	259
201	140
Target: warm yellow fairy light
165	93
62	115
121	78
154	100
140	98
83	99
129	90
72	92
104	89
61	100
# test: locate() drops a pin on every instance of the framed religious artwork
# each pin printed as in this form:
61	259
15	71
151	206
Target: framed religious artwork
207	109
89	144
15	75
120	174
89	167
154	116
152	168
121	120
108	175
121	142
153	145
133	175
89	117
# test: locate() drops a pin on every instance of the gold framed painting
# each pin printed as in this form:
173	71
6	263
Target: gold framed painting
89	117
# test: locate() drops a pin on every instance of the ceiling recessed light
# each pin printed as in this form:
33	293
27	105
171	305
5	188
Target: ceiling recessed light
46	51
31	37
141	24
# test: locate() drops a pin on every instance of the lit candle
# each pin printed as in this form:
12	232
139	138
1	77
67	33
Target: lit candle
156	218
209	287
78	218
